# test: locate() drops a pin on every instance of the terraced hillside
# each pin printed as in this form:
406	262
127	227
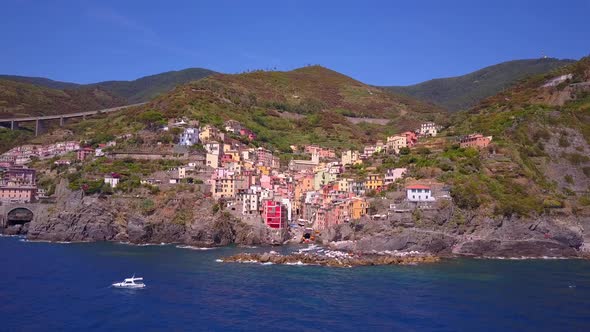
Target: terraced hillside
539	159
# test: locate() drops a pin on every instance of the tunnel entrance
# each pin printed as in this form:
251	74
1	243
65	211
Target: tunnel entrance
19	216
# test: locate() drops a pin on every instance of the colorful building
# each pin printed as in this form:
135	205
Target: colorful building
374	182
360	207
274	214
395	143
393	174
477	141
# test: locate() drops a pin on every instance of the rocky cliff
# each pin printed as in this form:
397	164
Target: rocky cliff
180	220
450	231
445	230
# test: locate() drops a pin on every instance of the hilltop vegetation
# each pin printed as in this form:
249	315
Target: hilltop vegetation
462	92
41	81
130	92
148	87
307	105
24	99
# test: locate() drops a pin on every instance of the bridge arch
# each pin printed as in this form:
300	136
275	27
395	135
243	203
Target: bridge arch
19	216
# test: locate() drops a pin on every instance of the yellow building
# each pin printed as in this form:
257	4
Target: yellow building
395	143
212	160
208	133
223	187
374	182
264	170
360	207
302	186
235	155
351	158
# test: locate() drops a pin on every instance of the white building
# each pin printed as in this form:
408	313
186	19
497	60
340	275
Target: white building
428	129
180	172
213	148
189	137
419	193
287	204
250	202
113	180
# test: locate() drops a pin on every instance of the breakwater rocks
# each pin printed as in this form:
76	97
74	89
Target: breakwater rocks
331	259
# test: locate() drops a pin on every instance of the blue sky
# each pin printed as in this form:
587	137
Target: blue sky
377	42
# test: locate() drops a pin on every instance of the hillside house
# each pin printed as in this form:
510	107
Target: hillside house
369	150
302	165
360	207
232	126
189	137
112	180
411	138
393	174
428	129
419	193
395	143
210	133
477	141
374	182
84	153
321	152
351	157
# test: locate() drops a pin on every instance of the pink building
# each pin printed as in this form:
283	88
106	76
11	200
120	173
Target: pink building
84	153
321	152
264	157
411	138
393	174
265	181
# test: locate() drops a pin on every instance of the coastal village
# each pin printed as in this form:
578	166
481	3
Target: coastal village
310	194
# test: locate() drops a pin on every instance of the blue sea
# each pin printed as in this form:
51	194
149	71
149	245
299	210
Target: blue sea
65	287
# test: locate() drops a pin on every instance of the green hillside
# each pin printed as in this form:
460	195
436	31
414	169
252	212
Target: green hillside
41	81
23	99
135	91
307	105
463	92
145	88
539	157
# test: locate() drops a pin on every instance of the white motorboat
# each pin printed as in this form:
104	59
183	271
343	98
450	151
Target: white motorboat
132	282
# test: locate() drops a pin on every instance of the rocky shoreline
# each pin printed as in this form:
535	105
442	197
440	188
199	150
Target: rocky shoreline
79	218
331	259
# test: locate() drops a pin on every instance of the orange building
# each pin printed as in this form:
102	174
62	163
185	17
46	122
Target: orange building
477	141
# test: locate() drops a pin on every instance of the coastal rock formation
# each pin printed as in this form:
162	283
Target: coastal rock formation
438	233
93	218
446	231
332	259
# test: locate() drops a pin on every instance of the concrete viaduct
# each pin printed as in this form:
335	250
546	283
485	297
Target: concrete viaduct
12	123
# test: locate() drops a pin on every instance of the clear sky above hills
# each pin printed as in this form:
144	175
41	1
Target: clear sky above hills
377	42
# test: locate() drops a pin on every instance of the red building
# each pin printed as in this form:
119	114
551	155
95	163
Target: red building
275	215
